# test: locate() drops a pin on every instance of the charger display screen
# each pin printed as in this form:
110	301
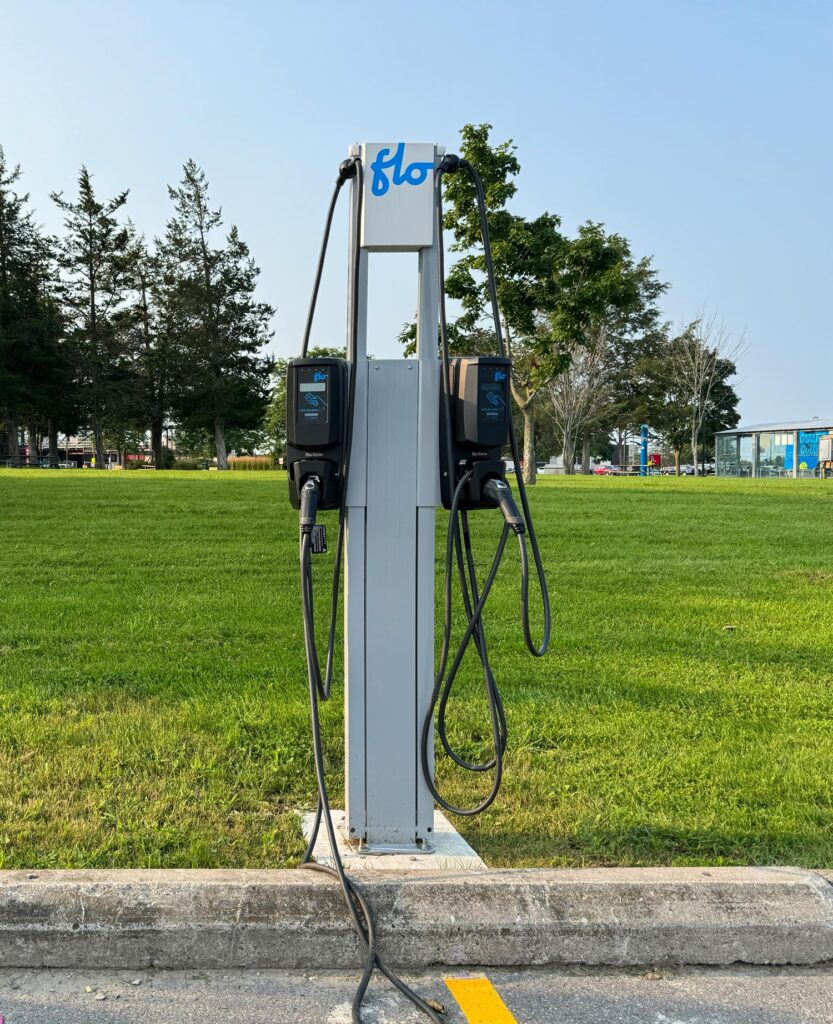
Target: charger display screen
491	405
313	396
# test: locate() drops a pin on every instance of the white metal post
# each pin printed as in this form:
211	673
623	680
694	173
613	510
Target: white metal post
392	493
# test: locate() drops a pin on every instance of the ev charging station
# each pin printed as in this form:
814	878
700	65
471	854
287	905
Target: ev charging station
385	442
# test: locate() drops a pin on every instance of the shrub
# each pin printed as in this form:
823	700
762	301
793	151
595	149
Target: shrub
250	462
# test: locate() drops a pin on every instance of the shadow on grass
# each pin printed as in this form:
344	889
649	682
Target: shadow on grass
642	845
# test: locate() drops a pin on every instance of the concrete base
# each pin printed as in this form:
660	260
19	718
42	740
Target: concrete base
447	852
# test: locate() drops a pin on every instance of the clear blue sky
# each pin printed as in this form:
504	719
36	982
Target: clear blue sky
700	130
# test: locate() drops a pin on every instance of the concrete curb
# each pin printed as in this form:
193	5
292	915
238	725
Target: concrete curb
292	919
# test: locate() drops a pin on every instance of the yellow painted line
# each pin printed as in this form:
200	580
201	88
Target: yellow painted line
479	1001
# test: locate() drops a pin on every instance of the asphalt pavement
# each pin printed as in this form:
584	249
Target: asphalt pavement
737	995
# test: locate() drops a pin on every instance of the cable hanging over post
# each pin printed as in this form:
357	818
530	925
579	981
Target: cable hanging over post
458	540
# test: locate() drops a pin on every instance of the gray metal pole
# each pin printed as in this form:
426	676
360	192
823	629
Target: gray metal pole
389	578
355	766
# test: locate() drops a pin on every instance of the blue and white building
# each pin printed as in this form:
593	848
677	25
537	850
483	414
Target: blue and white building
771	449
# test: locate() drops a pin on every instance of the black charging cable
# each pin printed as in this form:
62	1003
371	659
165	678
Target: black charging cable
537	650
459	546
320	688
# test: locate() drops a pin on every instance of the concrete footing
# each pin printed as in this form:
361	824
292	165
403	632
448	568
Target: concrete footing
448	850
292	919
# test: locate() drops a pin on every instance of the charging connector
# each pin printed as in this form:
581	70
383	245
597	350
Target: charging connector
310	493
497	491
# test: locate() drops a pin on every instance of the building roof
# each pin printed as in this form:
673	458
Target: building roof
817	423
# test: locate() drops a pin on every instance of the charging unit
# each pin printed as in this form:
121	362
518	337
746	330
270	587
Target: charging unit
386	442
316	427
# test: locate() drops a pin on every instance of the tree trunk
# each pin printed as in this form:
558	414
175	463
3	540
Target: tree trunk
569	454
52	431
677	461
222	458
620	448
14	439
156	441
694	433
99	444
585	456
33	444
530	469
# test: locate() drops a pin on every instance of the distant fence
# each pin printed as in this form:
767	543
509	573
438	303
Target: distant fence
7	462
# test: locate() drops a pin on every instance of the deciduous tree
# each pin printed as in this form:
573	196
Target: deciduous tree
697	362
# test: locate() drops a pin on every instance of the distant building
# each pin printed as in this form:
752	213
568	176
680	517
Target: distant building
771	449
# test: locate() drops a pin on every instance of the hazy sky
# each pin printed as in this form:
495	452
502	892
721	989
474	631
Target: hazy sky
700	130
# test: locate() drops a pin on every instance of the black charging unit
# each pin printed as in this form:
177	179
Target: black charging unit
480	419
316	424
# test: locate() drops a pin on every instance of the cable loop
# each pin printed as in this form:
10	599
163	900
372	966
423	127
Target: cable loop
473	599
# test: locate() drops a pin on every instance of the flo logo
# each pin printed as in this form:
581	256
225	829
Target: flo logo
413	174
500	374
319	376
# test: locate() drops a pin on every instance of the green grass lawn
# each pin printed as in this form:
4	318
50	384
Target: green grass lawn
153	701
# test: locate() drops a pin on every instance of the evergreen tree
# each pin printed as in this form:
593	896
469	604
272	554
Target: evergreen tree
17	243
35	375
152	342
94	256
208	304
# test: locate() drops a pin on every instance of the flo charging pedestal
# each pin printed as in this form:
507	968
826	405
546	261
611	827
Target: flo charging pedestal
385	442
392	493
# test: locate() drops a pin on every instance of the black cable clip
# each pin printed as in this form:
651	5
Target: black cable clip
318	539
347	169
450	163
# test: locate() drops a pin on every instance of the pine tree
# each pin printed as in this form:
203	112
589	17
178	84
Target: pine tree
35	375
216	326
150	342
94	256
15	256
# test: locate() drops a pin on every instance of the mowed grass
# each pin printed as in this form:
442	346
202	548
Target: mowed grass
153	702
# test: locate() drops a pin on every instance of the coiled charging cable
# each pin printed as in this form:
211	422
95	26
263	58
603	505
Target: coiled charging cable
459	546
